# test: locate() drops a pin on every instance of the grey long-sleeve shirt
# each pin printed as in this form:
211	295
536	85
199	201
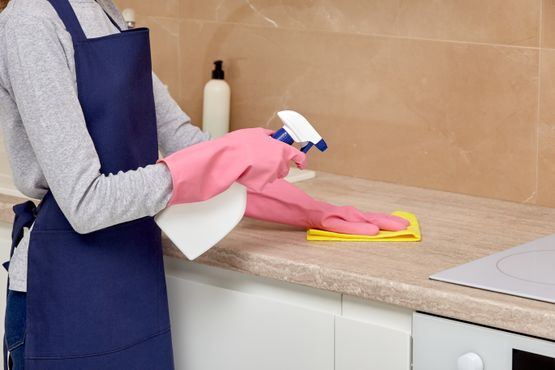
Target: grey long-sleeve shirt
45	133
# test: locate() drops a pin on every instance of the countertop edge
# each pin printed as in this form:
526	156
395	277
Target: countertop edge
432	301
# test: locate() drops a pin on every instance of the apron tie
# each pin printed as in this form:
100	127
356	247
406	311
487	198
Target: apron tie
25	215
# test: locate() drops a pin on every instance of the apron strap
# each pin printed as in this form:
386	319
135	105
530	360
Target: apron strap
67	15
25	214
5	356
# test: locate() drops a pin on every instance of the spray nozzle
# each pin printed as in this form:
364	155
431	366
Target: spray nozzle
218	72
296	128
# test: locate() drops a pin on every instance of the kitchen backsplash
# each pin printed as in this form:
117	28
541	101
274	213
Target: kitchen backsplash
451	95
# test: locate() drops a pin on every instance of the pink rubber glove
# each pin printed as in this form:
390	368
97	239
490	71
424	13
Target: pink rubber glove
249	156
284	203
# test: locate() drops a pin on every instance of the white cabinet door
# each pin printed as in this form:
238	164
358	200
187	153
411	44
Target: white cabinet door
372	336
363	346
221	328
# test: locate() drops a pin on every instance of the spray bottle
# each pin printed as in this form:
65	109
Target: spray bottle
194	228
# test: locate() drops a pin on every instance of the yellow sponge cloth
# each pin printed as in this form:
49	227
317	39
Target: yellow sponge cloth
411	234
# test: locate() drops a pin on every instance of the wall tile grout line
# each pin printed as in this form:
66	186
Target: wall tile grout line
362	34
538	116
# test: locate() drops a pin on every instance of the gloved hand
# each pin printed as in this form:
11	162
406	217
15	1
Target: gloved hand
284	203
249	156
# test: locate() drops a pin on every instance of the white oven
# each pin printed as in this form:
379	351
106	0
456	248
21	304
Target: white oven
444	344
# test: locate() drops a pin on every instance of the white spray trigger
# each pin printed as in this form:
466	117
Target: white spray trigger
299	130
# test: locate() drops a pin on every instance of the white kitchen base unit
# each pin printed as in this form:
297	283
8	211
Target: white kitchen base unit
228	320
443	344
372	335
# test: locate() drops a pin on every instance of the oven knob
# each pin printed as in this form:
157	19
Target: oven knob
470	361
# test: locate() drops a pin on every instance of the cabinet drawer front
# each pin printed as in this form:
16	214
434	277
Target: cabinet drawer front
364	346
216	328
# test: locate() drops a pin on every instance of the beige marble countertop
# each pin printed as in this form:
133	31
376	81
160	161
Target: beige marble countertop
456	229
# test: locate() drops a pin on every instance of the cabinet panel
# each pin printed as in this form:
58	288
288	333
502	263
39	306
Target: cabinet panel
298	295
217	328
366	346
378	313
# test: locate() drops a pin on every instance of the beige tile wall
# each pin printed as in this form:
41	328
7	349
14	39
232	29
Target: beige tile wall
452	95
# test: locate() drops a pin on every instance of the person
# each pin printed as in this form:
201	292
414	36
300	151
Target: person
84	119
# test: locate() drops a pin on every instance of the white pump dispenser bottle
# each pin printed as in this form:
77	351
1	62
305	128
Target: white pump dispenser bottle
215	111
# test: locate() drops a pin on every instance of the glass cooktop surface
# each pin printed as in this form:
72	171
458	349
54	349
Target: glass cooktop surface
527	270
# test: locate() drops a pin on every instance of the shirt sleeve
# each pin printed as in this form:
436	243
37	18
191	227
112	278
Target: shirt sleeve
45	93
175	130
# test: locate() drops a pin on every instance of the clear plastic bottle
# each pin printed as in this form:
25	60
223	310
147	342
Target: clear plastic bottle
215	112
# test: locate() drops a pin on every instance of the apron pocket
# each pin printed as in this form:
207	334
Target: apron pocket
96	293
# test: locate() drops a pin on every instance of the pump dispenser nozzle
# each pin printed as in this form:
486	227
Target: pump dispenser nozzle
218	72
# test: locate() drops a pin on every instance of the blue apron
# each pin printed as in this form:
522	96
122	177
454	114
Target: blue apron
98	300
